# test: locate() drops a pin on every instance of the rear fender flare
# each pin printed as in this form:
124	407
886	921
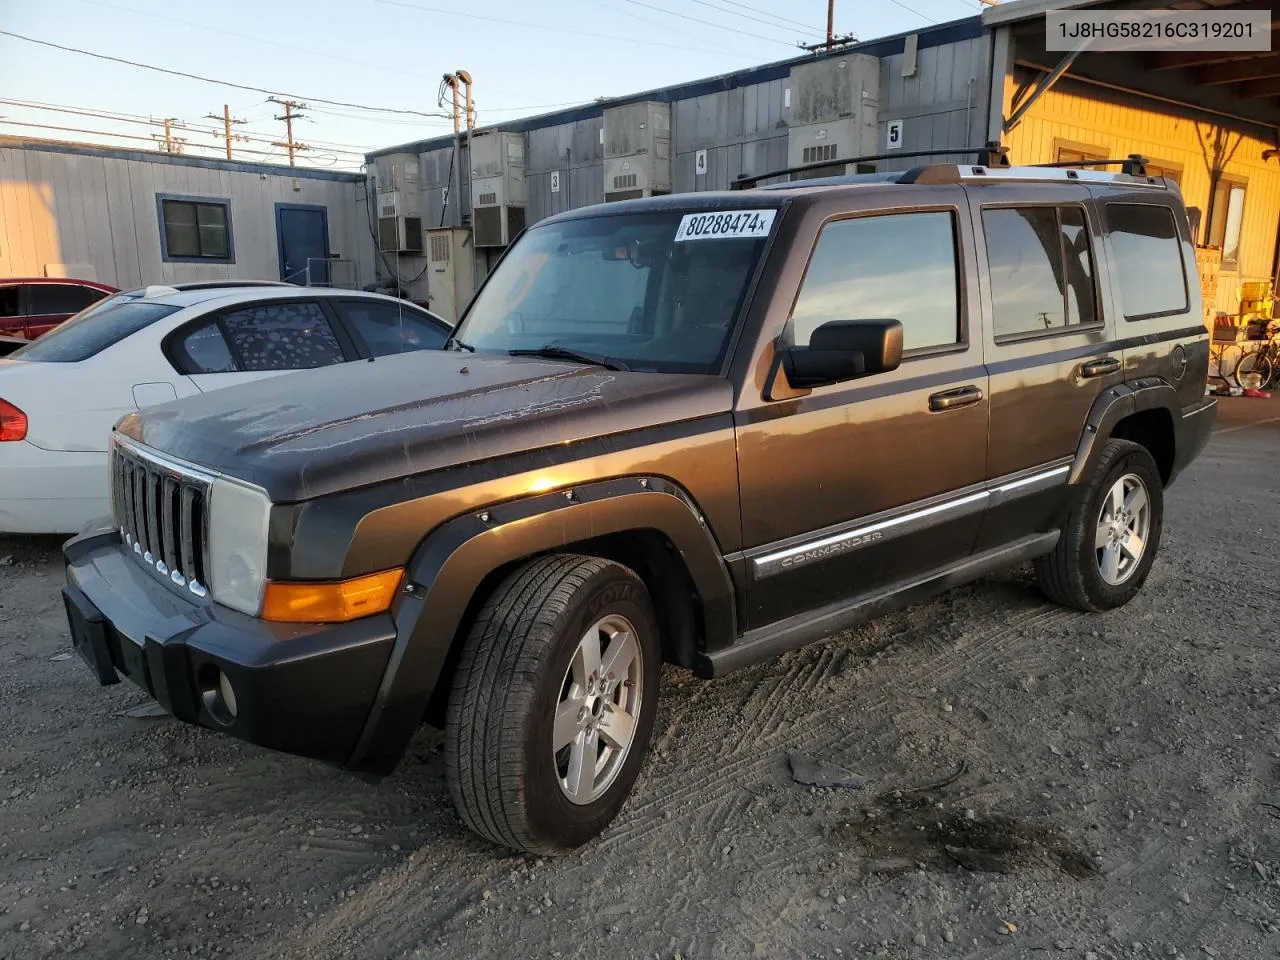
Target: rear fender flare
1118	402
454	560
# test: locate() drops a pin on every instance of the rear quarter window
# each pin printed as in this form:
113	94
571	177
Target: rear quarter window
1148	260
90	332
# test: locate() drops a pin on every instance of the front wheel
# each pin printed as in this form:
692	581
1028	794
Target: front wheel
553	703
1112	531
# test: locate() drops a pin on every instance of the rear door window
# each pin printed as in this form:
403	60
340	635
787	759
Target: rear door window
10	302
92	332
1148	255
282	336
66	298
388	328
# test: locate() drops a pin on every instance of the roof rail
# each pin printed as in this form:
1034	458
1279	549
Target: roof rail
990	154
939	173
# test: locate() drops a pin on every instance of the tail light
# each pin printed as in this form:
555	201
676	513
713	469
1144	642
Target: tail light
13	422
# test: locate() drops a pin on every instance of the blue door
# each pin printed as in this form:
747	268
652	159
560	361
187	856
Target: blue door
302	238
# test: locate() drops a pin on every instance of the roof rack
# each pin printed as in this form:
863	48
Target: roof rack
990	154
1134	165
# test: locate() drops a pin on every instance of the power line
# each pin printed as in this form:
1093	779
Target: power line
708	23
648	20
221	83
262	40
922	16
255	136
785	20
790	24
440	11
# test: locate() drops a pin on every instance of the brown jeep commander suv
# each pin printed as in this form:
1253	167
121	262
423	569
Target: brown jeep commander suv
702	429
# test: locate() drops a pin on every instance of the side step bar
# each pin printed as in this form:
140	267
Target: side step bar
776	639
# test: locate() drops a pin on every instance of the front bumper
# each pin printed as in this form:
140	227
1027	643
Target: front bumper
305	689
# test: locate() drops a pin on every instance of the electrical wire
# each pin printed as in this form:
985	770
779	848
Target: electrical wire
648	20
785	20
221	83
708	23
440	11
922	16
262	40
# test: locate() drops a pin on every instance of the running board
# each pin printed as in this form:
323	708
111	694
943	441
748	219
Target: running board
767	642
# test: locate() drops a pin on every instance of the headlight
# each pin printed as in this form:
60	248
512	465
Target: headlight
238	517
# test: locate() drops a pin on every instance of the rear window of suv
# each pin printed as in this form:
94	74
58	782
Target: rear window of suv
92	330
1148	256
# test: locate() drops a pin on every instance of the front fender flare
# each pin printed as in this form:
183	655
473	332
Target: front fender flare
454	560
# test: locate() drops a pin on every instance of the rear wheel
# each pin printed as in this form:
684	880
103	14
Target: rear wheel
1111	535
1228	362
553	703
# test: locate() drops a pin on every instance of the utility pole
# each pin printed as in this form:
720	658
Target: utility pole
170	143
227	121
832	40
291	113
831	23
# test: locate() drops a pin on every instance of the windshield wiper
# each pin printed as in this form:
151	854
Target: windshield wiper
454	343
553	352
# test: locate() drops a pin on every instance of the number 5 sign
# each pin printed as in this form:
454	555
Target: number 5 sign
894	139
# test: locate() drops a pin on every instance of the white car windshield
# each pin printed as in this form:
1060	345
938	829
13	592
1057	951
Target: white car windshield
651	291
92	330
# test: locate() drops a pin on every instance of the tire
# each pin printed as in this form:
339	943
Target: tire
1253	371
523	665
1080	574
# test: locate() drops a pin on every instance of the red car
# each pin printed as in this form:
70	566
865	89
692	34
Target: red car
30	306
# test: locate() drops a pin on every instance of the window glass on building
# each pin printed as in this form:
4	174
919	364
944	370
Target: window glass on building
1041	269
196	229
1228	217
1148	259
283	336
389	328
55	298
1077	158
899	266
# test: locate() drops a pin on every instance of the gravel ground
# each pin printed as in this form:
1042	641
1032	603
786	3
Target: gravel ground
1034	782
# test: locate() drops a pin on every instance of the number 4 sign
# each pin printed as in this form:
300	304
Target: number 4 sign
894	139
700	163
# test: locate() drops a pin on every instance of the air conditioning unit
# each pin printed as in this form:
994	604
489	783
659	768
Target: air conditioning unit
398	201
497	187
637	151
835	107
399	223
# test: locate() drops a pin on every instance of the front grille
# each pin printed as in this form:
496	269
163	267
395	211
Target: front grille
162	510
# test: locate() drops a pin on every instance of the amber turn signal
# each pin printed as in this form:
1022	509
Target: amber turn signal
335	601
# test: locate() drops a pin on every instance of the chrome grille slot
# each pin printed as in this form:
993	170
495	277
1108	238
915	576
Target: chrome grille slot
161	509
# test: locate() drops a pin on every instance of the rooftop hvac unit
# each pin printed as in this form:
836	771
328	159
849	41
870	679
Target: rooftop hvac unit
497	187
835	106
637	150
398	199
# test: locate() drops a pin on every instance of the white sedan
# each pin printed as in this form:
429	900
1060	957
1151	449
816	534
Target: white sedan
61	394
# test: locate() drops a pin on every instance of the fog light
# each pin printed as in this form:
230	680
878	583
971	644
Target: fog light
218	695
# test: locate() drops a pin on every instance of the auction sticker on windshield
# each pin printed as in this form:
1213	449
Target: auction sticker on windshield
720	226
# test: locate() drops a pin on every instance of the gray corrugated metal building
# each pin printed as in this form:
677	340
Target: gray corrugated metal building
931	86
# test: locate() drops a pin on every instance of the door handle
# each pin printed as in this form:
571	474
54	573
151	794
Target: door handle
951	399
1099	368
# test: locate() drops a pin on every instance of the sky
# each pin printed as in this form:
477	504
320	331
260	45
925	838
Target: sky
525	58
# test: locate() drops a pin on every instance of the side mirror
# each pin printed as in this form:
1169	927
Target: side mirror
844	350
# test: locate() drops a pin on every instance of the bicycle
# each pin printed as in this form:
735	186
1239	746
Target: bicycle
1256	370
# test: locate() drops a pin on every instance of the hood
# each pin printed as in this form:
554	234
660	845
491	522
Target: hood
316	432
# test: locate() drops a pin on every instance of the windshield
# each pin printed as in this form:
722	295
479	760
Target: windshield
657	291
92	330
